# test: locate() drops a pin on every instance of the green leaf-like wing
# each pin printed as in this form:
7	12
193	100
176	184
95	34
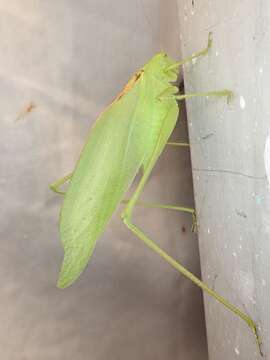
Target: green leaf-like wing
122	139
108	163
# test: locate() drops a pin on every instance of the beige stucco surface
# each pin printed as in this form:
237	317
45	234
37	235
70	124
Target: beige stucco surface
69	59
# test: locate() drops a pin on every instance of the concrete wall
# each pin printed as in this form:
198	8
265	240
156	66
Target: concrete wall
61	63
230	161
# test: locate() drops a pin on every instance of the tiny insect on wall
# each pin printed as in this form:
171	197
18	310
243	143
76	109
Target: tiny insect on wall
129	134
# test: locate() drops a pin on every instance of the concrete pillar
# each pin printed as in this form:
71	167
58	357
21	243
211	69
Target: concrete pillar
230	163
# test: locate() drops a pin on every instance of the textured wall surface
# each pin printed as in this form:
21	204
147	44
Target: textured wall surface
61	63
230	160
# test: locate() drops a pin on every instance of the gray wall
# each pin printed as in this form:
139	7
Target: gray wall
69	59
230	160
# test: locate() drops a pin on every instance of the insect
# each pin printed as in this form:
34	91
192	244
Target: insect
129	134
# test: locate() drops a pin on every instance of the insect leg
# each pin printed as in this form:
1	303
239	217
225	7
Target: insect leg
178	144
127	219
193	56
55	186
169	207
218	93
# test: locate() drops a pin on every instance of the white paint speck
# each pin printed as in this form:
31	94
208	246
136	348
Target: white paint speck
261	70
263	282
246	284
240	247
208	231
234	254
236	351
242	102
192	12
217	53
258	200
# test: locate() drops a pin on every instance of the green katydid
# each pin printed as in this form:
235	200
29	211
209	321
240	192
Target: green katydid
130	134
